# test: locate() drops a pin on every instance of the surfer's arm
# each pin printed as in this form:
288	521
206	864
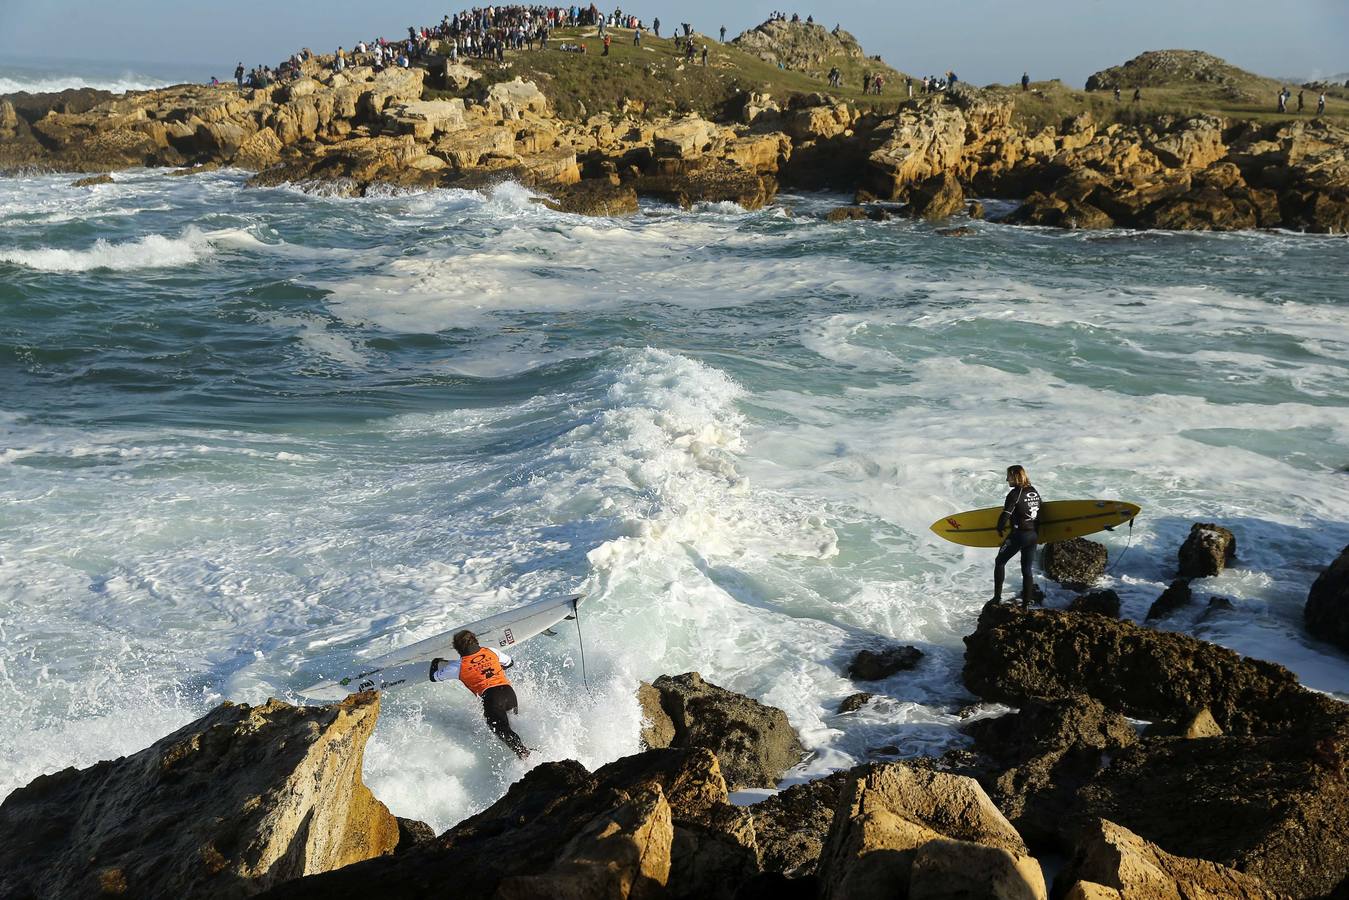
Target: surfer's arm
506	661
445	670
1005	517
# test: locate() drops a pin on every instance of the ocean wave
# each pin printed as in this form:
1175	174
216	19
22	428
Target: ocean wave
51	84
154	251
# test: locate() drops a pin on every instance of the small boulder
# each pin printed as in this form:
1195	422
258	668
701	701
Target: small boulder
790	827
938	197
854	702
1196	725
959	231
1207	551
1114	857
412	832
657	728
92	180
1327	610
1172	599
1076	563
1104	603
874	665
846	213
754	743
593	197
957	870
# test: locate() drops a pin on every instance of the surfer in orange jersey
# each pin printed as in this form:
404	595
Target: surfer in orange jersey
1016	526
483	671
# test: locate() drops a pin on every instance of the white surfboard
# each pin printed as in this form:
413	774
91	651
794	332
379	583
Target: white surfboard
412	664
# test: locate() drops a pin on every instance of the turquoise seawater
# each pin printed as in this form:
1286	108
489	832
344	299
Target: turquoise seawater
248	437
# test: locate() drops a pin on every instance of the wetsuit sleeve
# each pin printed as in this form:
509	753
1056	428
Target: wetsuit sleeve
1008	505
446	671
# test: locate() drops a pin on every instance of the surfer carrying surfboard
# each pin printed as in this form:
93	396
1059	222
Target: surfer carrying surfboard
483	671
1016	526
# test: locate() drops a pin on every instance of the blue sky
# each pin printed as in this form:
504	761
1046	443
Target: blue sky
982	40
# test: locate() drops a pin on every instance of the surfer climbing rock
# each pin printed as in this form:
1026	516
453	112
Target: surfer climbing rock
483	671
1016	526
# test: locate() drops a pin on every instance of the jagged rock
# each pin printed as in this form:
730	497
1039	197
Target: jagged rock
961	231
510	100
621	853
1047	750
1114	857
762	154
846	214
1076	563
259	150
657	727
790	827
874	665
817	122
425	118
1105	603
412	832
684	139
854	702
1207	551
1276	807
938	197
918	146
956	870
1090	890
1176	595
92	180
458	76
1327	611
392	85
1197	725
1196	143
1159	68
754	743
556	166
976	210
709	182
240	800
807	47
887	812
1015	656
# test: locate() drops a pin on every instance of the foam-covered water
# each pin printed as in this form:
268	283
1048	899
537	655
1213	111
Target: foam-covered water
249	436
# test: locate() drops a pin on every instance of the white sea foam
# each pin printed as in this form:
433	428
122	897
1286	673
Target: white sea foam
44	84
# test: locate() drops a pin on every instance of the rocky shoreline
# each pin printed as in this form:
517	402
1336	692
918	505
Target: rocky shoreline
1238	786
353	131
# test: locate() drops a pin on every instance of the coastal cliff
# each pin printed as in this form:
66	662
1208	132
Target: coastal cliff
448	124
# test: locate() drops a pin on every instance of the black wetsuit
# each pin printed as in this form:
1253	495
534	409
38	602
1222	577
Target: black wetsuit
1020	511
496	703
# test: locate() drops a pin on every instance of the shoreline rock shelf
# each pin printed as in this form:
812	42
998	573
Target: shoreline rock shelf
357	129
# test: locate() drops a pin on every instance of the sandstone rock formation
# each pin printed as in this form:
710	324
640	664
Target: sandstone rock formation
1327	609
243	799
754	743
887	815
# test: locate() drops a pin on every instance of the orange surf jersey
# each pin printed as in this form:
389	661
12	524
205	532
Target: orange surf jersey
482	670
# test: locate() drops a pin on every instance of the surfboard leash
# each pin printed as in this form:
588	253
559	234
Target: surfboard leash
576	611
1127	544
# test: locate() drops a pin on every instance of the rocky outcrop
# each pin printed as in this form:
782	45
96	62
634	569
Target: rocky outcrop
1207	551
791	827
754	743
1327	611
1016	656
1105	603
893	825
808	47
1159	68
854	702
1115	858
1176	596
874	665
1076	563
243	799
1044	754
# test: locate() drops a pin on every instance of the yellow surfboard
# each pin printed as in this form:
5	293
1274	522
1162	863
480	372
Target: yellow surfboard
1059	520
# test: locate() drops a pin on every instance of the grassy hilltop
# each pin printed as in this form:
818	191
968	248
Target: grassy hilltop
654	79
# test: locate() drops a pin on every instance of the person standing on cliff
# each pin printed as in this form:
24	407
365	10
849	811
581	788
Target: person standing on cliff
1016	525
1283	99
655	26
608	39
866	82
704	56
483	671
723	34
1138	95
1116	93
239	74
1025	82
1321	105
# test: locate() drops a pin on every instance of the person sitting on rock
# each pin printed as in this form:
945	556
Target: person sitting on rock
483	671
1020	510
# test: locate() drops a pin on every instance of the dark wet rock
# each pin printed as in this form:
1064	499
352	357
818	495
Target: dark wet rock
1273	806
593	197
1126	865
776	886
884	751
975	210
1176	595
1327	611
960	231
874	665
846	214
791	826
1105	603
1046	752
240	800
709	182
854	702
412	832
1016	656
1076	563
754	743
1207	551
1198	725
92	180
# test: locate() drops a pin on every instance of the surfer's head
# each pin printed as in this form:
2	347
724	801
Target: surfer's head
466	643
1017	477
